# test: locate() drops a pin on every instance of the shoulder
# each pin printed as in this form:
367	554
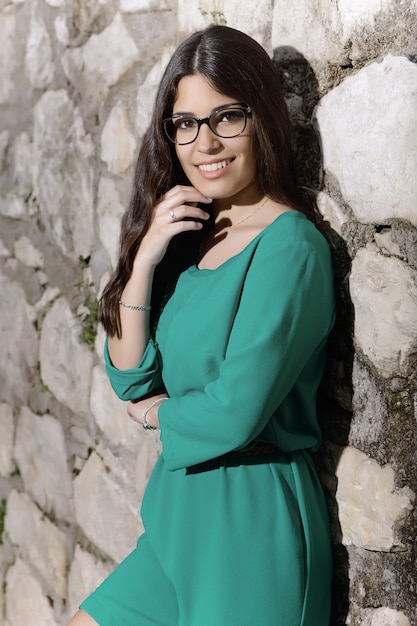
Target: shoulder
292	233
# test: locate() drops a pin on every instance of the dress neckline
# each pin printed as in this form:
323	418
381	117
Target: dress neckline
194	267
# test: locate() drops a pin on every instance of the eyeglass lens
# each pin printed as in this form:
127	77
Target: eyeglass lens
226	123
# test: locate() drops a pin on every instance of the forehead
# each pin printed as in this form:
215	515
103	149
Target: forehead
196	95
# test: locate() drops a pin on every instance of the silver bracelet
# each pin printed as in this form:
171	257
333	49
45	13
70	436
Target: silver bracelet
133	307
143	421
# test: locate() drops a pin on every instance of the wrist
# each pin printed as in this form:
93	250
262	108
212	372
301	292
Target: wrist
144	263
150	415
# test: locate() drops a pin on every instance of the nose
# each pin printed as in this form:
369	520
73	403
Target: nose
207	141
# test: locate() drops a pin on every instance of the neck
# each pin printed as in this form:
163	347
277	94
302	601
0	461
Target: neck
232	216
235	209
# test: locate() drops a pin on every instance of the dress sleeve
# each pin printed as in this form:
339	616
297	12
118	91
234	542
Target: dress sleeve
284	316
138	382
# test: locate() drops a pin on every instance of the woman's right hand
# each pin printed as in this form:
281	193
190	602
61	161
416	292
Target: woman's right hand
176	212
169	212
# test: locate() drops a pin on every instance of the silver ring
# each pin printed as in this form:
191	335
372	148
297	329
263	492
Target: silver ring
172	214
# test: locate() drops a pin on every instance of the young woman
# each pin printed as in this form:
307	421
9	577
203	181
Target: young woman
217	319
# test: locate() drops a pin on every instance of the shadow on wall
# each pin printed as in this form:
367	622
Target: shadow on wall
335	398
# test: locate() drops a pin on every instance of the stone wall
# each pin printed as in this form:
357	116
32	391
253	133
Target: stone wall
77	83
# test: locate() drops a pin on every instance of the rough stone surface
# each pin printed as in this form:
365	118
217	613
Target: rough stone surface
103	512
384	617
85	574
7	56
110	412
40	543
101	62
41	456
118	146
110	210
39	66
61	337
369	505
377	178
384	294
6	438
18	360
25	602
78	80
63	176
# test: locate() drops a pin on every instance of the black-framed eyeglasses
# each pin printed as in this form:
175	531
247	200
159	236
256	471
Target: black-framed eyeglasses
225	122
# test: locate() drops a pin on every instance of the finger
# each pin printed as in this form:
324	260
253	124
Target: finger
182	194
187	212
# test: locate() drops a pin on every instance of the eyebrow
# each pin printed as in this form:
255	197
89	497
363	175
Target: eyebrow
229	105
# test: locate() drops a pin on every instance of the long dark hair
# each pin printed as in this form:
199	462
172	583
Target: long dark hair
238	67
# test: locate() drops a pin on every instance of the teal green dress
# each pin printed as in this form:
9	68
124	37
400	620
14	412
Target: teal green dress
241	351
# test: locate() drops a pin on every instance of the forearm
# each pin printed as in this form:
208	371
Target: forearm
125	352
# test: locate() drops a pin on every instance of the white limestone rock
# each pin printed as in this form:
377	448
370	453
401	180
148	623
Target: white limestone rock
6	439
332	211
39	66
18	357
384	294
22	163
101	62
27	254
4	251
384	616
118	145
369	505
111	53
8	57
110	413
26	604
41	455
355	14
48	295
367	126
39	542
314	29
253	18
131	6
322	30
63	174
109	214
103	511
66	364
387	245
61	30
147	91
12	206
4	142
85	574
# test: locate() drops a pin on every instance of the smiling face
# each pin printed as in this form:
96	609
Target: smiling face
220	168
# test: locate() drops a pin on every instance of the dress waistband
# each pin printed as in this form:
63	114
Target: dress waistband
259	448
250	456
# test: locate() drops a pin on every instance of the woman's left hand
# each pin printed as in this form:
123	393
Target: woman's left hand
135	410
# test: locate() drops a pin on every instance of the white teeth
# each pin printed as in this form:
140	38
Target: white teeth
212	167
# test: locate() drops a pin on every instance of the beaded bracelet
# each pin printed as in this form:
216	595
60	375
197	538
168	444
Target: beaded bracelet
144	423
133	307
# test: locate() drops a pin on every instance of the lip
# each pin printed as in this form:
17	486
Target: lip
213	169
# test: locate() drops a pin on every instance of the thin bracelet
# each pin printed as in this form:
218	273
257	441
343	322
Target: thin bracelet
133	307
144	423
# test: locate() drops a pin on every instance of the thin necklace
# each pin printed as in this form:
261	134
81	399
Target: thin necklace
201	248
261	206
